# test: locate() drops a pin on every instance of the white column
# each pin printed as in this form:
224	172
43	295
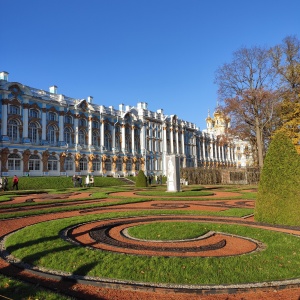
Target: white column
182	142
132	139
90	131
164	138
204	147
114	138
123	137
44	122
101	134
76	130
25	119
61	124
171	140
177	142
4	116
211	149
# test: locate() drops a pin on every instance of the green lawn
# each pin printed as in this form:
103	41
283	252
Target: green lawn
40	245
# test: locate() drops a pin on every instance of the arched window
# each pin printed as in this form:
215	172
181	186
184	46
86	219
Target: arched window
68	120
14	162
81	137
95	138
137	145
95	124
137	166
108	165
33	113
33	133
107	142
68	163
119	164
52	116
67	135
14	110
83	164
128	144
118	143
96	164
13	130
128	166
52	163
34	162
51	135
82	122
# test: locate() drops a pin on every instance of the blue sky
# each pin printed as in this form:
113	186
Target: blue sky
163	52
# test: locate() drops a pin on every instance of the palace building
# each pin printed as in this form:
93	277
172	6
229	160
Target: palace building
44	133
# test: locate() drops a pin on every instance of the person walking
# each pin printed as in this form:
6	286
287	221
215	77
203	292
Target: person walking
15	182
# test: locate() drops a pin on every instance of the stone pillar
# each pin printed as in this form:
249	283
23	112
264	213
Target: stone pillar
171	140
76	117
173	173
123	138
102	134
44	122
4	118
61	125
132	140
182	142
90	131
177	142
25	122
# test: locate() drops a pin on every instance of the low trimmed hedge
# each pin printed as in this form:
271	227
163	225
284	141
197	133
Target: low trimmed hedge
60	182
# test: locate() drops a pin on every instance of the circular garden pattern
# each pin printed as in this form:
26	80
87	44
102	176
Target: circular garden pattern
155	243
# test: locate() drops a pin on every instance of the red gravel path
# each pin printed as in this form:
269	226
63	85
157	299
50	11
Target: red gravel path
92	292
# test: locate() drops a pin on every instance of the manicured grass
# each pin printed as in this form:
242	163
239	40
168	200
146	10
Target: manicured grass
18	290
174	194
61	182
40	245
168	231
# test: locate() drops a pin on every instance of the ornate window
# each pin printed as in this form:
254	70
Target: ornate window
52	116
118	143
95	124
119	164
128	166
69	163
14	110
82	122
96	164
34	162
128	144
33	133
13	130
81	137
52	135
83	164
68	120
33	113
67	135
52	163
108	166
107	142
14	162
95	139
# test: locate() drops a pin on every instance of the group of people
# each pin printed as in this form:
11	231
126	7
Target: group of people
77	180
4	183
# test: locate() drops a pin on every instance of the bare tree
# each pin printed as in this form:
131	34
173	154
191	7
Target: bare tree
246	91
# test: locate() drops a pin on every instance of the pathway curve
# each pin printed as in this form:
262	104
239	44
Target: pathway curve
111	290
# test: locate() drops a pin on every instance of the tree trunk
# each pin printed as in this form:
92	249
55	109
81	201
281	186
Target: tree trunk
259	143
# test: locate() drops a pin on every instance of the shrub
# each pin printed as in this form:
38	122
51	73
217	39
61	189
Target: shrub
278	198
59	182
141	180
